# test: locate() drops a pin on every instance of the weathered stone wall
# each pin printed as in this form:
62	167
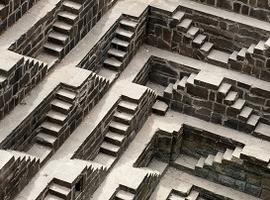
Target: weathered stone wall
13	11
259	9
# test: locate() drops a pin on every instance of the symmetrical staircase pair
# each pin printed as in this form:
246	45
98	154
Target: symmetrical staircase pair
63	30
119	130
120	45
48	132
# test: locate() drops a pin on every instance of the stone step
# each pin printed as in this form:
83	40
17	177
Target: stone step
231	97
267	43
260	47
185	24
242	54
167	93
173	196
238	105
160	108
123	34
182	83
262	131
193	195
51	128
120	55
52	197
251	49
233	57
123	117
40	151
59	191
207	47
128	24
61	106
185	162
191	78
105	159
72	6
192	32
112	63
209	160
46	139
200	163
124	195
66	95
109	148
253	120
217	57
120	44
56	117
245	113
118	127
54	49
236	155
58	38
67	17
178	15
224	89
114	138
127	106
62	27
218	157
2	6
228	155
199	40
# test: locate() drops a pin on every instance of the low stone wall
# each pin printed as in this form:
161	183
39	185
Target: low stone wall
259	9
13	11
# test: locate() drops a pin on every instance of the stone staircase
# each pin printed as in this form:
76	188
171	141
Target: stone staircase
177	195
124	194
58	191
48	133
62	29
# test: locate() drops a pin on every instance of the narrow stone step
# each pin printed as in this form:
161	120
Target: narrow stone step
267	43
58	38
67	17
207	47
209	160
238	104
191	78
199	41
56	117
114	138
66	95
236	154
178	15
219	57
173	196
126	106
228	155
51	128
112	63
54	49
253	120
117	53
182	83
233	56
263	131
260	47
224	88
62	27
59	191
128	24
123	117
45	139
52	197
200	162
184	24
118	127
121	194
185	162
245	113
40	151
109	148
218	157
61	106
231	97
193	195
2	6
251	49
160	108
124	34
120	44
167	93
242	54
72	6
192	32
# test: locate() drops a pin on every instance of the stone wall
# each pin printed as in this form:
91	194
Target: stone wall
259	9
13	11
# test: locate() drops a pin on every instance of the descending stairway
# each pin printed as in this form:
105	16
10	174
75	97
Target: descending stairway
58	192
49	131
119	130
62	30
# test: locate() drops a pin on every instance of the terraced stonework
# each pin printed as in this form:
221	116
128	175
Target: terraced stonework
134	100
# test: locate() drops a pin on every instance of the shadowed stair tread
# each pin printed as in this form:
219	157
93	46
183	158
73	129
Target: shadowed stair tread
224	88
104	159
209	160
199	39
52	197
59	189
186	161
232	96
246	112
160	106
55	47
228	154
68	15
207	46
109	146
113	62
116	52
115	136
130	23
239	104
182	83
124	115
121	194
218	157
263	129
58	36
124	32
178	15
62	25
219	56
39	151
253	120
61	104
51	126
119	126
120	42
46	137
186	23
192	31
72	4
66	93
128	105
57	115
